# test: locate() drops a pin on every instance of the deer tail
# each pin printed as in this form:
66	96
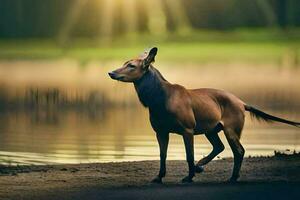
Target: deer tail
262	116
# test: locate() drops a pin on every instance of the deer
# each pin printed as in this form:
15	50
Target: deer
189	112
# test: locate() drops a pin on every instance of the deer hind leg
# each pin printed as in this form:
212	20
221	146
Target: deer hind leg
217	144
233	138
188	138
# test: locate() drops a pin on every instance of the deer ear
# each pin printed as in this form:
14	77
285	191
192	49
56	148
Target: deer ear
150	57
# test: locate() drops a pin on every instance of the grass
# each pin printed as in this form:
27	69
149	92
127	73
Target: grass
198	46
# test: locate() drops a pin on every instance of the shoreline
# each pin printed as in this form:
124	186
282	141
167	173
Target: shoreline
61	181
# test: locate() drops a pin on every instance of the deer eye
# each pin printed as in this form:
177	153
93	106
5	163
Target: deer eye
131	66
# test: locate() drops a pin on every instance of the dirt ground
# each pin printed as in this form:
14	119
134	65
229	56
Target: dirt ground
261	178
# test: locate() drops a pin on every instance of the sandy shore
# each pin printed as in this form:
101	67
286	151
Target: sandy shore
264	176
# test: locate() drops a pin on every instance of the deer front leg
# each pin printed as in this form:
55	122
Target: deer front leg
188	138
163	141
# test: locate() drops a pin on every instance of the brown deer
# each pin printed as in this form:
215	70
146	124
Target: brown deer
189	112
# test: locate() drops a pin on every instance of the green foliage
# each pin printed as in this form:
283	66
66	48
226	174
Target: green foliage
198	46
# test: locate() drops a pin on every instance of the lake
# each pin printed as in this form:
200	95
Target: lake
116	135
95	119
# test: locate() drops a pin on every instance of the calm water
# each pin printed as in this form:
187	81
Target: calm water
123	133
120	134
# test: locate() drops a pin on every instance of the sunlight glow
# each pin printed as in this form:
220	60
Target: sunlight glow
107	19
157	20
155	13
180	18
130	15
70	20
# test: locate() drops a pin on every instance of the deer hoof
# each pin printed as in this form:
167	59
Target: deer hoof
199	169
187	179
157	180
233	179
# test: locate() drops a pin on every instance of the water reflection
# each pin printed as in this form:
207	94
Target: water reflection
116	134
58	112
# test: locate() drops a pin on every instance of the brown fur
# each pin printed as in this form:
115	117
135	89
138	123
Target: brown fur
175	109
